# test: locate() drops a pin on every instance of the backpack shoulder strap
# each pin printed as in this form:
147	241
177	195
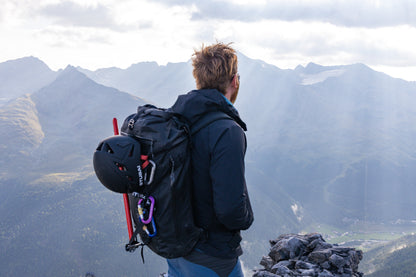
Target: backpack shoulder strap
207	119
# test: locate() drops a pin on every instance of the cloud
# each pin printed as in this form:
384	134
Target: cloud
288	44
68	13
72	37
285	33
352	13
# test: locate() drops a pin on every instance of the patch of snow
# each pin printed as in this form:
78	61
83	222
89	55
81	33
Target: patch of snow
297	211
310	79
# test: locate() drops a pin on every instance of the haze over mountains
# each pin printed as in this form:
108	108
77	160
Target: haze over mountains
327	146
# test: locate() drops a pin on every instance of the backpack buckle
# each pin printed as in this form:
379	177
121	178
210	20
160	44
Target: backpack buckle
133	245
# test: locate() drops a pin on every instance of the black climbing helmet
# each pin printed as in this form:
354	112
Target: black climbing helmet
115	163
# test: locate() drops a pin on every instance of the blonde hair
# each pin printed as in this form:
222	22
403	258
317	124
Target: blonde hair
214	66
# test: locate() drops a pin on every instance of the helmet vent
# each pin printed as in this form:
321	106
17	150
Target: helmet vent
121	167
108	149
100	146
131	151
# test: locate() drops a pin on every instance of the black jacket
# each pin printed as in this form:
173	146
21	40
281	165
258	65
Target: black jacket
220	199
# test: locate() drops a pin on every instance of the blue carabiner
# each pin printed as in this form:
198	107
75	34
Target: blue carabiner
151	235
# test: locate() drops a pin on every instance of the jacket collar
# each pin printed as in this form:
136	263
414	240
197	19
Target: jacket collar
196	103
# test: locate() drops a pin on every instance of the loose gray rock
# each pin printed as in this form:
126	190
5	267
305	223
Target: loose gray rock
267	262
304	265
337	260
281	270
264	273
325	273
309	255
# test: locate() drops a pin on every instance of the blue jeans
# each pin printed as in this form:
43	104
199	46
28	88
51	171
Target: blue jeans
181	267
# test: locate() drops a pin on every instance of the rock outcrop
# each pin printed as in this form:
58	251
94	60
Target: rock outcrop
309	255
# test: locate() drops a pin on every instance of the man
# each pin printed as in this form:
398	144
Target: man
220	200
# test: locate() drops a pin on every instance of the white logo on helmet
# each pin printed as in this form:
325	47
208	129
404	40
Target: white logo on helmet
140	173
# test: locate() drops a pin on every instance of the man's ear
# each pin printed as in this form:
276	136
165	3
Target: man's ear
235	81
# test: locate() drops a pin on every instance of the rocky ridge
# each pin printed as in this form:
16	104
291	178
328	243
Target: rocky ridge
309	255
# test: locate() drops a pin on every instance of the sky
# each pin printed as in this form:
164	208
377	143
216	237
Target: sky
104	33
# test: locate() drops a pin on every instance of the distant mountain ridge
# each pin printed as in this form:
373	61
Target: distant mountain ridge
59	117
159	84
21	76
327	146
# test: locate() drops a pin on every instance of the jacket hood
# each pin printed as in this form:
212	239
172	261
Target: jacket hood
199	102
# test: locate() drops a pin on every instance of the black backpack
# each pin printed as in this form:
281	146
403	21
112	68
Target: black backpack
162	206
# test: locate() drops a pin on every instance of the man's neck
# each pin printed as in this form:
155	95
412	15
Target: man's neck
227	99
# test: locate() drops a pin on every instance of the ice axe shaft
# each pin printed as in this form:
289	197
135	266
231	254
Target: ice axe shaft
125	196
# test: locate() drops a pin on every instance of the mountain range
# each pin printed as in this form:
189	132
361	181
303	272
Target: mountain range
329	148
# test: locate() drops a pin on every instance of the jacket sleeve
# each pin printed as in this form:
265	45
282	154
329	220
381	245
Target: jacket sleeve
231	201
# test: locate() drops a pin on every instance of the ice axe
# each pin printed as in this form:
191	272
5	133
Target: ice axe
125	196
